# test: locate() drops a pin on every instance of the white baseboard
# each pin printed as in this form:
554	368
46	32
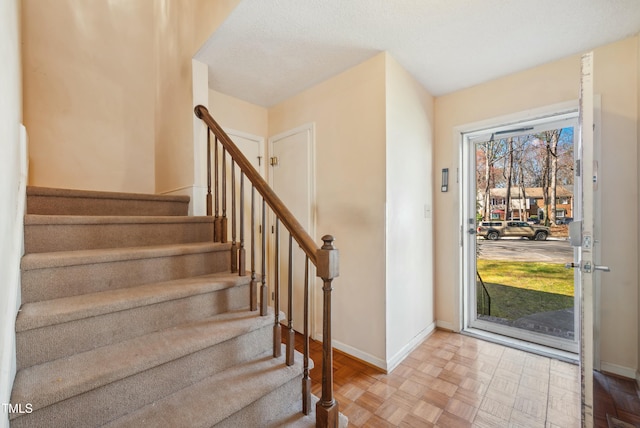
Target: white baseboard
394	361
386	366
615	369
444	325
364	356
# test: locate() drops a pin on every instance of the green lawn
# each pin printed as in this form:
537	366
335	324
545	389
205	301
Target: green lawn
522	288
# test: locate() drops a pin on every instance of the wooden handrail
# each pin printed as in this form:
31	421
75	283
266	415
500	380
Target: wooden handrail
325	259
289	221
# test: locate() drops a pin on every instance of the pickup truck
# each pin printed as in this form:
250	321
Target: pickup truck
497	229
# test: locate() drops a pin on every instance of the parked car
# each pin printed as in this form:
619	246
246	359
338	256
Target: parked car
497	229
564	220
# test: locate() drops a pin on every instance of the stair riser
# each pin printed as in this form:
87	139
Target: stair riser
269	407
65	281
60	205
128	394
46	238
49	343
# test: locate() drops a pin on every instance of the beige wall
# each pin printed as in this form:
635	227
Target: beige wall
616	80
409	201
12	189
182	29
88	70
550	84
239	115
349	115
374	153
107	91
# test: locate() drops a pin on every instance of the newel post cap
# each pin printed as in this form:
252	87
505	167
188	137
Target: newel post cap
327	258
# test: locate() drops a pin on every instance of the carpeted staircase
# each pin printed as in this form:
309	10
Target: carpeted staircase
130	317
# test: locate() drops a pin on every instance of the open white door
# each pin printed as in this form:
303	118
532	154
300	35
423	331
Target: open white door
584	237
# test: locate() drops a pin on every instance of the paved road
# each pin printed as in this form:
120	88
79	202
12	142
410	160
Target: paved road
552	251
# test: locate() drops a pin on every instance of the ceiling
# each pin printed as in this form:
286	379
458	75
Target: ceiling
269	50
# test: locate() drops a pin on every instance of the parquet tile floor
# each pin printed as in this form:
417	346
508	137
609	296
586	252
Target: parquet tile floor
452	380
617	397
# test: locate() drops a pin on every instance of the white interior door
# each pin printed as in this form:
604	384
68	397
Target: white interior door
292	178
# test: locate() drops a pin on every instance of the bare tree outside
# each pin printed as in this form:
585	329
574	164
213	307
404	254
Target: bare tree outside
529	161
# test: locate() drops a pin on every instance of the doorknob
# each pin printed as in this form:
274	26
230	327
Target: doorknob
588	267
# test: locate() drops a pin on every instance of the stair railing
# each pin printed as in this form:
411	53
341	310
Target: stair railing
484	302
324	258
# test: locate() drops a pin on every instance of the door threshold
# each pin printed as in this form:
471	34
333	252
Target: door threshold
533	348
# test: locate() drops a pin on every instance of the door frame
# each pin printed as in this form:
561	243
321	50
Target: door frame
314	283
460	134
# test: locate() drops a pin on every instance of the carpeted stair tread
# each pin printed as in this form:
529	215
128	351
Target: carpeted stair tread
61	379
205	404
46	219
66	309
45	200
43	232
81	257
79	193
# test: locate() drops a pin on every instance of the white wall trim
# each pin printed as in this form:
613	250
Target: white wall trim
361	355
615	369
394	361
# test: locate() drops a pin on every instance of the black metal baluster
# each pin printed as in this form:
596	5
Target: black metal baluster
254	283
216	221
291	336
277	330
263	277
234	244
223	221
306	380
242	262
209	197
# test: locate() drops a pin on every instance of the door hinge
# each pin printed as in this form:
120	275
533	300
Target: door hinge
273	161
577	167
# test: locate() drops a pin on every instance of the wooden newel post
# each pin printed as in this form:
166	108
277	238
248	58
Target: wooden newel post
327	269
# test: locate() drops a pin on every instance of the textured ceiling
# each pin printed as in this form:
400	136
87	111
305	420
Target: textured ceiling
269	50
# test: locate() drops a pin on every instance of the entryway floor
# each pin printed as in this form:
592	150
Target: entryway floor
617	397
453	380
